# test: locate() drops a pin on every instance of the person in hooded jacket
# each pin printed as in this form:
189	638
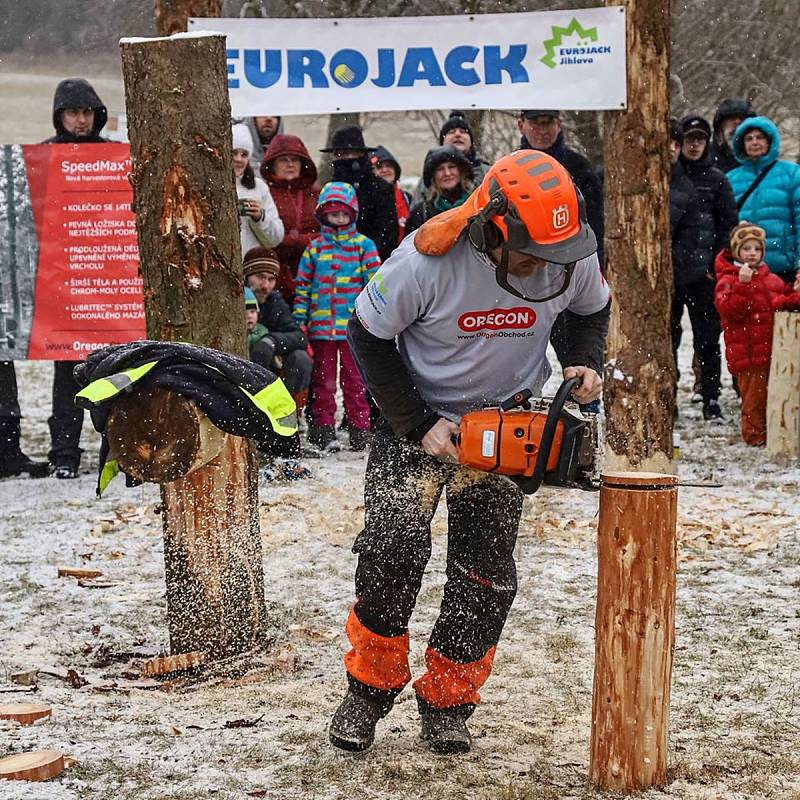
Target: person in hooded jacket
263	130
718	215
729	114
684	221
386	166
291	176
377	216
448	179
78	117
774	202
334	268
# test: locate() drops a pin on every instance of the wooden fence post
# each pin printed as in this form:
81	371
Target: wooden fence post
783	399
634	629
188	229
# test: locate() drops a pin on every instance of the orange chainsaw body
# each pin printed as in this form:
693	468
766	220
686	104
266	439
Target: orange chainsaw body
506	442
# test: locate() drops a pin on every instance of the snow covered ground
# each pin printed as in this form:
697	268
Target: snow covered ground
735	727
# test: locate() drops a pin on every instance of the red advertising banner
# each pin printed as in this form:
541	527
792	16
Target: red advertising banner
87	292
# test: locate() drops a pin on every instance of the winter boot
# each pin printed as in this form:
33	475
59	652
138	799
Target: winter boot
353	724
712	411
323	437
445	729
359	439
13	461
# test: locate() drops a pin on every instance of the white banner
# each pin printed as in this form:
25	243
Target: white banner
572	59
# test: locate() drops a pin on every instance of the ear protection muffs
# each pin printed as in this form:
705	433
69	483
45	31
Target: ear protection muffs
483	233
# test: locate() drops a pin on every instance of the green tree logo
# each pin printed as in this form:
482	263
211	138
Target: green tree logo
585	35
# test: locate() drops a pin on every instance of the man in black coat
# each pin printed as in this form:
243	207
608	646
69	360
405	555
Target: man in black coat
377	215
690	279
718	216
727	117
78	117
540	129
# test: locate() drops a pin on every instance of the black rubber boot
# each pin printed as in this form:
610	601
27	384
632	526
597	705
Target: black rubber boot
323	437
445	729
359	439
353	725
13	461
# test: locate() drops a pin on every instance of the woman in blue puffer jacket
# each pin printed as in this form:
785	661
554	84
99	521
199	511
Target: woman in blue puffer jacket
775	203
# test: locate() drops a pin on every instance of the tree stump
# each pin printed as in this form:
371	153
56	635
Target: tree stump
634	629
783	398
188	229
640	373
39	765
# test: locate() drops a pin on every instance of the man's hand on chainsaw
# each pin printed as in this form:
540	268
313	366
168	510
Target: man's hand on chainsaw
438	441
590	387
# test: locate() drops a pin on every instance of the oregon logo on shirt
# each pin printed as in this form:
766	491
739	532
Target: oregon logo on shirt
496	319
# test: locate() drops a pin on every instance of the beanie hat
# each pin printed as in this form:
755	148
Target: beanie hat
675	130
250	302
455	120
242	138
696	124
746	231
261	259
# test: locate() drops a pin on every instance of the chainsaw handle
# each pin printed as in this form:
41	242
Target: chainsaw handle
531	485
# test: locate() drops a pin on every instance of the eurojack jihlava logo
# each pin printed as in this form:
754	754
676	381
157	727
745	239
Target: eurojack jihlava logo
583	51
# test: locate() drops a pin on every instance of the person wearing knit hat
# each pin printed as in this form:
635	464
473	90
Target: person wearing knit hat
259	222
281	346
745	296
718	215
334	268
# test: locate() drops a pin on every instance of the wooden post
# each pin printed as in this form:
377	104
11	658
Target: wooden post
188	229
783	400
634	629
172	15
640	374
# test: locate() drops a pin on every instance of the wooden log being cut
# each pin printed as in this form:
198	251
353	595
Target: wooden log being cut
783	398
38	765
79	572
168	664
158	436
25	713
634	630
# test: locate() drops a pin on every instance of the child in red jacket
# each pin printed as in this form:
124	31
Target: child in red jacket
744	298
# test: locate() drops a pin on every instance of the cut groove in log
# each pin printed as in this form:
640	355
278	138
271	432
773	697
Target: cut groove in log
158	436
25	713
634	630
38	765
783	398
79	572
177	663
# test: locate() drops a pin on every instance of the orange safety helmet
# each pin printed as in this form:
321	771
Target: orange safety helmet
530	200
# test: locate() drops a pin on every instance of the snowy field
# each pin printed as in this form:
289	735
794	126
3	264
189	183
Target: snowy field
735	727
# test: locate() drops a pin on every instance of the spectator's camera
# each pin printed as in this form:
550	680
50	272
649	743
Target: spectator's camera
242	209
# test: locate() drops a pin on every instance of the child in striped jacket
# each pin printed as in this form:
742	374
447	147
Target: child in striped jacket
333	270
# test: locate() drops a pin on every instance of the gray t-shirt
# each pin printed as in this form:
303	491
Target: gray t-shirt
466	341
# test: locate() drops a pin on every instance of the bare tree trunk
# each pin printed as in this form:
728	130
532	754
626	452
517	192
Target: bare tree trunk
172	15
640	375
634	630
783	400
186	218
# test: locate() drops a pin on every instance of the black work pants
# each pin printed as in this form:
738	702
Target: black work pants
403	486
9	402
67	419
698	298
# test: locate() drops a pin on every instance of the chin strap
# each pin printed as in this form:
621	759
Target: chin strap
501	276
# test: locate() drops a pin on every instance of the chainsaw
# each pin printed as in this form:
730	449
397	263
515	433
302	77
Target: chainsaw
533	441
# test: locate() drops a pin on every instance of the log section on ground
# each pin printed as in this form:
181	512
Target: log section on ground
25	713
38	765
